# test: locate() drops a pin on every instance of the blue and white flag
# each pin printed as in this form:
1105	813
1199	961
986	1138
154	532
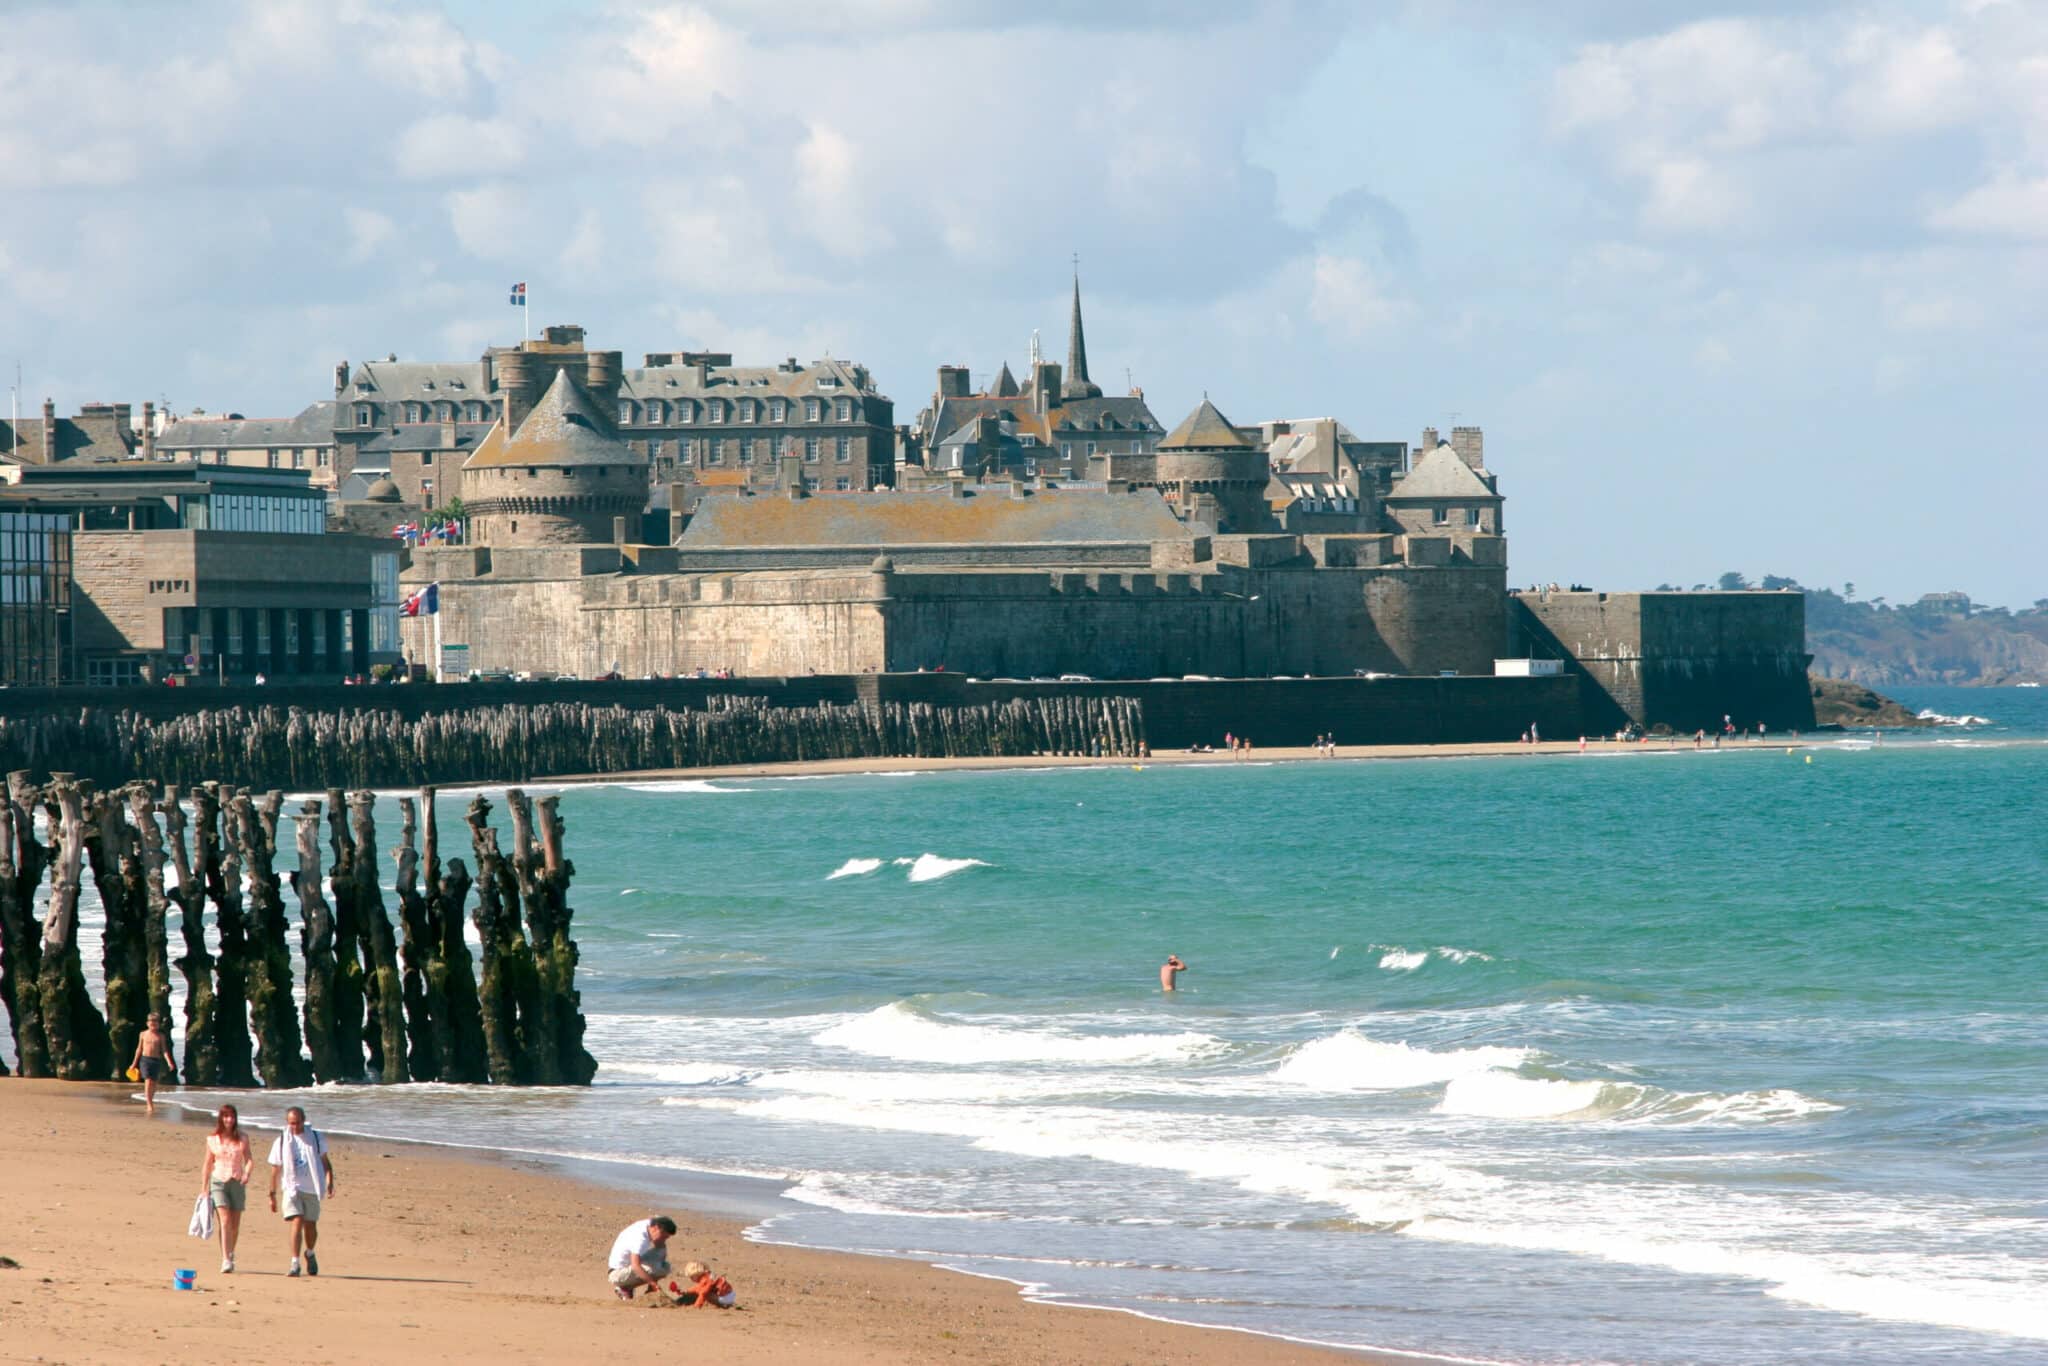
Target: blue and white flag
519	295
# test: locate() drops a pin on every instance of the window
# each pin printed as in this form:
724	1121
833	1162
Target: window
366	414
653	410
716	454
714	411
778	410
1443	516
625	413
273	458
844	450
813	410
473	412
1066	450
842	411
686	411
746	450
1137	448
1471	516
444	412
811	450
654	449
842	483
746	410
1091	448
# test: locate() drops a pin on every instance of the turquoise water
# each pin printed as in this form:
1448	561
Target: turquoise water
1683	1057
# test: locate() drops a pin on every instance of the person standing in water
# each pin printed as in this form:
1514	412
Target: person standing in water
1170	971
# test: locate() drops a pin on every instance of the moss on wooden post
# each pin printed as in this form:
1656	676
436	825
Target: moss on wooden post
316	940
387	1000
195	965
77	1034
272	1013
22	860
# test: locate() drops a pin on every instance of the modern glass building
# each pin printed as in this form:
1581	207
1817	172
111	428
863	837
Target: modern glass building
35	597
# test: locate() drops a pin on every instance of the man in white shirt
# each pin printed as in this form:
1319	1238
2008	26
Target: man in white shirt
300	1166
640	1255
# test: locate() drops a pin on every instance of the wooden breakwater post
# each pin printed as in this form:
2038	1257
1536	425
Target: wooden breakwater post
422	1018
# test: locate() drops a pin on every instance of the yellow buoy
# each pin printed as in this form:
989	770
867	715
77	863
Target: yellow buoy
1809	758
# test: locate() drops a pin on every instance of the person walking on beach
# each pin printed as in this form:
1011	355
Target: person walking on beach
152	1060
1170	971
300	1166
224	1178
640	1255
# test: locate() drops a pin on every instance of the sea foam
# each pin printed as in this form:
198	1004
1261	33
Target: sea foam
901	1031
1352	1062
854	867
932	867
1505	1095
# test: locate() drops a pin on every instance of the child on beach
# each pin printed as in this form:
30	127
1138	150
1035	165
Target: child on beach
706	1288
152	1060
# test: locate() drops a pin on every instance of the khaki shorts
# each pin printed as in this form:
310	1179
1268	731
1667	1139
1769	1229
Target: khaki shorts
232	1195
625	1275
301	1205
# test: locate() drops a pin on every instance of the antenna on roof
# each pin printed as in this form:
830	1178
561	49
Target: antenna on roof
1035	353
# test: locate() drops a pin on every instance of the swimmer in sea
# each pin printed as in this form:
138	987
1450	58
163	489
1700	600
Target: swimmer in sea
1170	971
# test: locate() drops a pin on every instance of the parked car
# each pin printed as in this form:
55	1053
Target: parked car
1075	678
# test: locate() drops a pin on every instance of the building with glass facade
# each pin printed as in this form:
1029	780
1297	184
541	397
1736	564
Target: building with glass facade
213	572
35	597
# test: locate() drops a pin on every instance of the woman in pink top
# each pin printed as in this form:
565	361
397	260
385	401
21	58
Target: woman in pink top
225	1177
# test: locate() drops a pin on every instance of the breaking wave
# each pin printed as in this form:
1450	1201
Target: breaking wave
901	1031
1351	1062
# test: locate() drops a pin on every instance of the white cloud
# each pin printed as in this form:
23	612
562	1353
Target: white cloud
1349	300
2010	205
367	231
454	146
832	183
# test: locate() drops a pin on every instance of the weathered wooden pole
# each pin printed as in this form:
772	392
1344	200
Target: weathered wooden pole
22	859
422	1034
220	863
77	1034
149	859
529	876
497	927
124	962
345	991
272	1012
544	876
195	965
316	939
387	1000
450	974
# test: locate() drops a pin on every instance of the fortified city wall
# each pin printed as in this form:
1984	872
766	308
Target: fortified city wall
1679	659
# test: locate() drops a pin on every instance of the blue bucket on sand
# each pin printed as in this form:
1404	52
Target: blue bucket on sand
182	1280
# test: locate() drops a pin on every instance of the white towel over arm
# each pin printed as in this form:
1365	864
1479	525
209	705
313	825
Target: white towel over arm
202	1217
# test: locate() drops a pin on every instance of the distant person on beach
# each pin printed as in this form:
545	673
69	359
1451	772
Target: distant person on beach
224	1179
300	1167
640	1255
152	1059
1170	971
706	1289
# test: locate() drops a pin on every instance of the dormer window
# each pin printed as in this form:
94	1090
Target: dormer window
654	411
412	412
625	413
746	410
714	411
813	410
778	410
366	414
843	410
686	411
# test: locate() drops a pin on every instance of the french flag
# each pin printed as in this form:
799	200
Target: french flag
423	603
519	295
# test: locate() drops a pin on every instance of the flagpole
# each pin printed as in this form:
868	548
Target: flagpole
436	614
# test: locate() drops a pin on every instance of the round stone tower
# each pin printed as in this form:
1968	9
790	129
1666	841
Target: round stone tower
1205	456
559	479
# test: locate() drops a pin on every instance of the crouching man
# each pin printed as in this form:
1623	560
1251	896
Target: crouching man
640	1255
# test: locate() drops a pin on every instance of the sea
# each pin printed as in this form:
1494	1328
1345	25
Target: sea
1727	1056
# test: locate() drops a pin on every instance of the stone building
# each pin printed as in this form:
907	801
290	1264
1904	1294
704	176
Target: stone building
561	478
1443	495
100	431
1210	473
304	442
1048	426
213	571
1324	479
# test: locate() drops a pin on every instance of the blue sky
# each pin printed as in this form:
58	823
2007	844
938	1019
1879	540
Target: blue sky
1729	287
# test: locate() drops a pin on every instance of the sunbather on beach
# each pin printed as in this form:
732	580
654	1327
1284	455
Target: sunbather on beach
640	1255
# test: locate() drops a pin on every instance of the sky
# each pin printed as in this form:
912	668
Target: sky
1745	286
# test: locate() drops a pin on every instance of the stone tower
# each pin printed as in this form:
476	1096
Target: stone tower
559	479
1206	462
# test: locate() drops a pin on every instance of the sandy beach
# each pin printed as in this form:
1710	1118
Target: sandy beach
434	1254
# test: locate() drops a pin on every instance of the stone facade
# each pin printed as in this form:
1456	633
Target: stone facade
561	478
100	432
304	442
1682	660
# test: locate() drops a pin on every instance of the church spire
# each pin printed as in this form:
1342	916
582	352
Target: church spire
1077	384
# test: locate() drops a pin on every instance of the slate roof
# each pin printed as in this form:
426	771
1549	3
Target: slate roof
312	427
1121	416
1205	429
1441	474
988	515
564	428
749	381
1005	385
385	381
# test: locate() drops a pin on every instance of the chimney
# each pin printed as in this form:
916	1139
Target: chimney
340	378
791	475
49	431
149	429
448	434
1428	440
1045	386
1470	444
953	381
618	531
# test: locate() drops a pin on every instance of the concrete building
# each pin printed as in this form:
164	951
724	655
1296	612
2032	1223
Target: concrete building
1050	425
304	442
211	570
